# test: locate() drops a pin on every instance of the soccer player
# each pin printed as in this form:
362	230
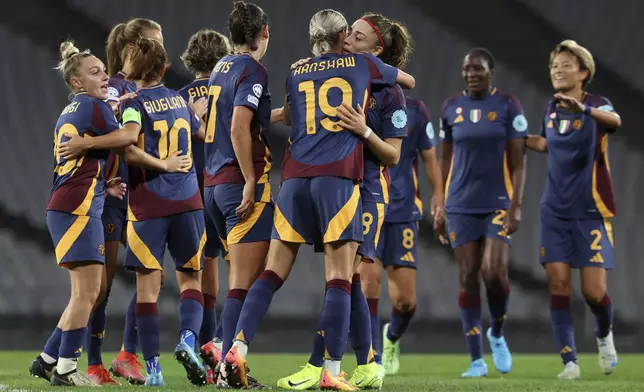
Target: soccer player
321	173
482	158
237	189
205	49
126	364
390	41
577	202
74	210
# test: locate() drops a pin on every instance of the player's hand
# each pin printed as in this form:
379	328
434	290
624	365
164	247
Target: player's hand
570	103
300	62
352	120
512	220
200	106
177	163
127	96
440	229
248	200
72	148
116	188
277	115
438	207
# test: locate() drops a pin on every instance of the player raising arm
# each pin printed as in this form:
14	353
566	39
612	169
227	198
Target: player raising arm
577	202
205	49
74	212
321	173
483	161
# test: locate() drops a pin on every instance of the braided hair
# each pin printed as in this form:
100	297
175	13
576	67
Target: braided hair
246	22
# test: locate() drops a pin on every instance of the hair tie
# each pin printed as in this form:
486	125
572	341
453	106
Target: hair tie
375	30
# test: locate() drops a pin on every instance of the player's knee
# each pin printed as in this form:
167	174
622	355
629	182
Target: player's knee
559	286
494	279
404	302
594	294
469	280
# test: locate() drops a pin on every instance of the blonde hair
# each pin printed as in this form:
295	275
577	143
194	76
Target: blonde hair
583	55
70	60
324	30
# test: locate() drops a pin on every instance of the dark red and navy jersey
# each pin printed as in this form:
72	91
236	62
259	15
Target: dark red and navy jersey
479	180
318	145
197	89
236	80
579	184
116	166
405	204
387	117
167	126
79	186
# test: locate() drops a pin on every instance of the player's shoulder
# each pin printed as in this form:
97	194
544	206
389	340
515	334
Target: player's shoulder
250	63
505	96
597	101
452	100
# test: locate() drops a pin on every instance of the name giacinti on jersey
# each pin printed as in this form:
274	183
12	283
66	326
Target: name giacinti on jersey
163	104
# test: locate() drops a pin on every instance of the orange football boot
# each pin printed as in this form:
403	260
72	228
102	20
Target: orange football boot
100	376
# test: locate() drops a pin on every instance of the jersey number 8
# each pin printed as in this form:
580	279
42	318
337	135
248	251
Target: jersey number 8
322	101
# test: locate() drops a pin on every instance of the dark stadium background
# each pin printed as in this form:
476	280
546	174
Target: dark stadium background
520	33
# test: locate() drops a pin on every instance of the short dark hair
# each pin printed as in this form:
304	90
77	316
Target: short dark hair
483	53
205	49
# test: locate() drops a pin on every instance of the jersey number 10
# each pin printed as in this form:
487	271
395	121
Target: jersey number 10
322	101
169	138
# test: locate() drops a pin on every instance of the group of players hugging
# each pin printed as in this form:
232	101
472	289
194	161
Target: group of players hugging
197	167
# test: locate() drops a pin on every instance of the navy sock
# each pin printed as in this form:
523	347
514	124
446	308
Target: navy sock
360	323
53	343
96	333
207	332
376	335
219	331
71	343
470	305
148	324
130	335
230	316
399	323
497	301
256	305
603	311
335	317
190	315
562	326
317	354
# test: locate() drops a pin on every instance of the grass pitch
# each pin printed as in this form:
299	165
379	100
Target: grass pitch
418	373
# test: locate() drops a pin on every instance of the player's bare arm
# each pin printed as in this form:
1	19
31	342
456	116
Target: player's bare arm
175	163
243	145
446	151
388	150
277	115
120	138
435	179
517	160
536	143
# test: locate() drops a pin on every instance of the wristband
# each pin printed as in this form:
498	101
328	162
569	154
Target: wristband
367	133
587	110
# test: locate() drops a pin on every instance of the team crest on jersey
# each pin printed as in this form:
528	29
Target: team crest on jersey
257	90
549	125
399	119
372	103
543	251
577	124
475	115
564	126
491	116
109	228
459	117
101	250
452	236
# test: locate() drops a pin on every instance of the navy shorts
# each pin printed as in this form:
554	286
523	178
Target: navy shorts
580	243
399	247
76	238
466	228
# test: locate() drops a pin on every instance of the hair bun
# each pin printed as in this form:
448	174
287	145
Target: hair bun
68	50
